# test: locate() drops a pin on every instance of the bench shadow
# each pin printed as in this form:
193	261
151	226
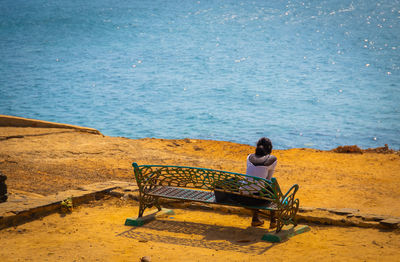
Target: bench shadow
246	240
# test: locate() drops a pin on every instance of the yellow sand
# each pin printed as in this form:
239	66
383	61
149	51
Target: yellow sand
97	233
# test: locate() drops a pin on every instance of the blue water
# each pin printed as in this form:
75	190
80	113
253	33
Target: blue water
304	73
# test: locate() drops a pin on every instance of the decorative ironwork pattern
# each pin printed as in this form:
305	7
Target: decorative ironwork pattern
156	181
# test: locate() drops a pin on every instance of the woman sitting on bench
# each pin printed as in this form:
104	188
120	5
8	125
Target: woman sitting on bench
261	164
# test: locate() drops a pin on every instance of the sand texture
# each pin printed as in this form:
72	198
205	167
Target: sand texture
96	233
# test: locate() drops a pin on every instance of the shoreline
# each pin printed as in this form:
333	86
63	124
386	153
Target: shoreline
15	121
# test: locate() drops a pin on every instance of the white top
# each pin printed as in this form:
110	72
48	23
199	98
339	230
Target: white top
265	172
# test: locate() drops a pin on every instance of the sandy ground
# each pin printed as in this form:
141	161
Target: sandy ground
96	233
45	161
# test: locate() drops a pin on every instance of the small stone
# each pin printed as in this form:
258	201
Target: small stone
243	240
145	259
306	209
344	211
196	148
375	243
125	197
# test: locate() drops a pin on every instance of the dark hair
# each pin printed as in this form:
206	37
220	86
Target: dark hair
264	147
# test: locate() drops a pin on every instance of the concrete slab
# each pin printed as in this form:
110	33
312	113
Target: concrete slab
24	208
140	221
6	120
285	233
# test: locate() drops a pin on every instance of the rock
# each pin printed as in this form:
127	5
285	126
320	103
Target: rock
306	209
343	211
390	223
196	148
145	259
373	217
243	240
380	150
348	149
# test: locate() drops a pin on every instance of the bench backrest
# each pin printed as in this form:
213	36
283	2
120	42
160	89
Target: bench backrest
150	176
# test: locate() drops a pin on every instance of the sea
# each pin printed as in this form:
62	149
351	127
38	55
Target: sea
306	74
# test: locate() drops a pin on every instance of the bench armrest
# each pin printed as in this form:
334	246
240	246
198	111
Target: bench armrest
289	196
141	179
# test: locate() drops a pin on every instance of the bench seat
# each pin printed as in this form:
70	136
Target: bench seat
199	196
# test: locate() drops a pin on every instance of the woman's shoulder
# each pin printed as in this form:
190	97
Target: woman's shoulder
262	161
270	160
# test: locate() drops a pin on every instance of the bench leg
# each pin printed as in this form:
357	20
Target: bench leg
142	207
146	201
287	215
296	209
157	204
279	221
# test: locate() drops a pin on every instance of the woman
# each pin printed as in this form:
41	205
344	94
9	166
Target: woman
262	164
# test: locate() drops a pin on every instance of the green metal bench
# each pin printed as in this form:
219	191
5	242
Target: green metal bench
203	185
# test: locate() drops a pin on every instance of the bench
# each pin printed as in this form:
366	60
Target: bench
210	186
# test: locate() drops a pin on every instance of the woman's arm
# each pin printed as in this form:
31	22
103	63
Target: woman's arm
272	161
